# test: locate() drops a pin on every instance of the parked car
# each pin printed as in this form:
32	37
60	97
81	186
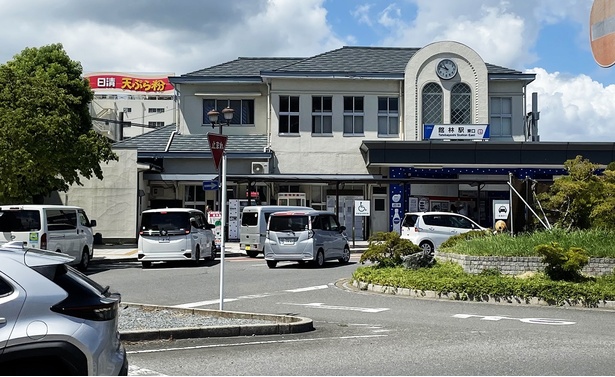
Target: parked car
53	319
429	229
175	234
64	229
254	225
305	236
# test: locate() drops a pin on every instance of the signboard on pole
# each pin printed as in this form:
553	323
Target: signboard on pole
361	208
217	143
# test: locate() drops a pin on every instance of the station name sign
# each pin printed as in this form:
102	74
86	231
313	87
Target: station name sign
456	131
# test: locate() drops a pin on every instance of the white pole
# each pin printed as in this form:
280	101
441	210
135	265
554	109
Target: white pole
222	231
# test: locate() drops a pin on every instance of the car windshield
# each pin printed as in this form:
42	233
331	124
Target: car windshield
19	220
293	223
168	221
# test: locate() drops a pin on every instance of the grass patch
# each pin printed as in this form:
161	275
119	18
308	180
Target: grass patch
597	243
449	277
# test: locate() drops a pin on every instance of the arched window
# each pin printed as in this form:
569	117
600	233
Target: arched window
461	104
432	104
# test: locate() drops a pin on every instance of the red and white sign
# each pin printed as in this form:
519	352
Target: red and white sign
602	32
217	143
125	82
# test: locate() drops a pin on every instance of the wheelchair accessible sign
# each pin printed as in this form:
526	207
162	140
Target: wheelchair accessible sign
361	208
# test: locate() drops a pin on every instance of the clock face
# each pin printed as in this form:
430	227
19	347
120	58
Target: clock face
446	69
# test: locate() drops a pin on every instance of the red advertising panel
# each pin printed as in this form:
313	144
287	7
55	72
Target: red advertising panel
217	143
126	82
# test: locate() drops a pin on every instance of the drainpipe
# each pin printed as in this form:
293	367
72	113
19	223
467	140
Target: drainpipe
402	124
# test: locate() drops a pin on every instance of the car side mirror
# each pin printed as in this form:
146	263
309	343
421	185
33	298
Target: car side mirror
92	223
209	226
342	228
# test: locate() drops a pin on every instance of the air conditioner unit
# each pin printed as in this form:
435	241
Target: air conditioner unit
260	167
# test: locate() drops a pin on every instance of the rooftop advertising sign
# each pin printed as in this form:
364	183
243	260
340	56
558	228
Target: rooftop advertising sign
126	82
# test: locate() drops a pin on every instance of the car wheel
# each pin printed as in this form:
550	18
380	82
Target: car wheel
320	259
146	264
213	251
197	256
345	256
272	263
427	247
85	260
252	253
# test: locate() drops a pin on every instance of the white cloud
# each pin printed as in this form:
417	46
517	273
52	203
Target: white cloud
573	108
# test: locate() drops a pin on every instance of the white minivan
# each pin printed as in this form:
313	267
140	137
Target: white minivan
175	234
254	226
305	236
65	229
429	229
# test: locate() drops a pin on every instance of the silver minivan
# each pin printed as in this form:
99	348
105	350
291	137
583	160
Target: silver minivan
254	225
175	234
305	236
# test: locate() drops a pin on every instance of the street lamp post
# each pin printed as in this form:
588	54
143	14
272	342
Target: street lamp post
213	118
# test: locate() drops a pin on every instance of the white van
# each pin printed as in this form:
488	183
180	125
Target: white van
175	234
254	225
65	229
430	229
305	236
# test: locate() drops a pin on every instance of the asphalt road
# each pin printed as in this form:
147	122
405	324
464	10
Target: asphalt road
356	332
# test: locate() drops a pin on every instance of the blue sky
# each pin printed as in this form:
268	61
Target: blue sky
547	37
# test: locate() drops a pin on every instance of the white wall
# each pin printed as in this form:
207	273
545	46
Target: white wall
112	202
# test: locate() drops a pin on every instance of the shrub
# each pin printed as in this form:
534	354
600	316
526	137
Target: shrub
562	264
387	249
465	236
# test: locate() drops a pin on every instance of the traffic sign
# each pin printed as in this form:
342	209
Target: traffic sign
210	185
602	32
217	143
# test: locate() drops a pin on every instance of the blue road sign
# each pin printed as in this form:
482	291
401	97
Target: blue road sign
210	185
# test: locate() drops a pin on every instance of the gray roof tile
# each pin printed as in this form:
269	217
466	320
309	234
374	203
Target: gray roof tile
243	67
156	141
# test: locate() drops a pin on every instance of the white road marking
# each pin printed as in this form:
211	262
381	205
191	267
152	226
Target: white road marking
306	289
538	321
320	305
254	343
191	305
134	370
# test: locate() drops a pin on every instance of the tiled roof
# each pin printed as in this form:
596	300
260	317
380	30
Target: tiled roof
156	141
243	67
350	60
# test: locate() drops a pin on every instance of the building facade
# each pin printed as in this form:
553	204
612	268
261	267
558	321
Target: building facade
403	128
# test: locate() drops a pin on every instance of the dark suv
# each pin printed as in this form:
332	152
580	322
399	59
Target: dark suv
53	319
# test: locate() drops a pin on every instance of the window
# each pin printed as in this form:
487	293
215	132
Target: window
155	110
155	124
289	115
5	288
461	104
322	120
353	115
127	109
243	115
61	220
388	116
432	104
501	117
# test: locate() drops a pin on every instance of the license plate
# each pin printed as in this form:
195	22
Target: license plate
247	247
164	239
287	241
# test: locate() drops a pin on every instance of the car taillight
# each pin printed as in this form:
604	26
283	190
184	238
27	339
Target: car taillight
417	229
187	231
103	310
44	241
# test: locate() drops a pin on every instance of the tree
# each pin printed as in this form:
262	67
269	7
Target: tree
582	199
46	138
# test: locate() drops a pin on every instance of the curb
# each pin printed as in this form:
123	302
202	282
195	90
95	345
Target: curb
356	285
283	324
